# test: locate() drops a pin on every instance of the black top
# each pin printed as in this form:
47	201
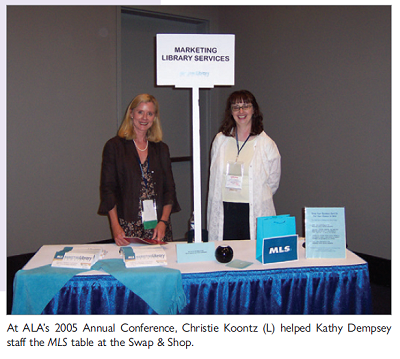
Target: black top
121	178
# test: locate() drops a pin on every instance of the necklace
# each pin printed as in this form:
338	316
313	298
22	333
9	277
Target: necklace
140	148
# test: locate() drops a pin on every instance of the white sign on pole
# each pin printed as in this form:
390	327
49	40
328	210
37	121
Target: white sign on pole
195	61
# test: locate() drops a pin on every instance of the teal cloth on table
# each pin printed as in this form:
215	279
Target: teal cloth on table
160	287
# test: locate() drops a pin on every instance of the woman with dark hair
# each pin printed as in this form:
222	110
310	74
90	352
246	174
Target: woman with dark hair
245	171
137	187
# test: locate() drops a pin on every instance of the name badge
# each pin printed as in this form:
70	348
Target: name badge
149	214
234	175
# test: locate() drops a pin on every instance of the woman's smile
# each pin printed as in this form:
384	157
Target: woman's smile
241	115
143	116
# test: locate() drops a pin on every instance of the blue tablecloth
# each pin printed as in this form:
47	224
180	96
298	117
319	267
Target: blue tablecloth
159	287
308	290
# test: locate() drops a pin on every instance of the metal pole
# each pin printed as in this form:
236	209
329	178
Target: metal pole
196	166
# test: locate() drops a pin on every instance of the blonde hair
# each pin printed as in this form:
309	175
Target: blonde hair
127	131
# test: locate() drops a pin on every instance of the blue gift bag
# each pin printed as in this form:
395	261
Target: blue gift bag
276	239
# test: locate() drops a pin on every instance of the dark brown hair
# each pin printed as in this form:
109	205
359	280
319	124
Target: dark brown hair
228	124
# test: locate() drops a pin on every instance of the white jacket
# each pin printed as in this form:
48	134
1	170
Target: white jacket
264	177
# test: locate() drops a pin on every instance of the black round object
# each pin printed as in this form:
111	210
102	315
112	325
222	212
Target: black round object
224	254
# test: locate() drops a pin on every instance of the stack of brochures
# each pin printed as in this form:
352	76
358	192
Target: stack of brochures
77	257
143	256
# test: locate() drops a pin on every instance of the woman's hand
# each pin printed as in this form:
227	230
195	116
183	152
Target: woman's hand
117	231
159	231
119	235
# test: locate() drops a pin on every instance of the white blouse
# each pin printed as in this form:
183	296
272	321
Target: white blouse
245	157
263	177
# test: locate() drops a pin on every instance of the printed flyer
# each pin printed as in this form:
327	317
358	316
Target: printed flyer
325	233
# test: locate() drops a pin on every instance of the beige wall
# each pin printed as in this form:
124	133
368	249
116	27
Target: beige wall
61	108
323	78
321	75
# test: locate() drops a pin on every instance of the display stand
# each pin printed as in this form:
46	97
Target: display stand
195	61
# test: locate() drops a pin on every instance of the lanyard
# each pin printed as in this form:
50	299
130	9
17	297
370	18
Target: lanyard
141	169
237	144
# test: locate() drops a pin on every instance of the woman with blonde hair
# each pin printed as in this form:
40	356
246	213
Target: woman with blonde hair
137	187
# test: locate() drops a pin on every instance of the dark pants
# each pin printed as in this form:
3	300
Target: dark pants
236	221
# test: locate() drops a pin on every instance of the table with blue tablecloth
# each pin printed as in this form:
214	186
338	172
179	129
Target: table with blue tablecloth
303	286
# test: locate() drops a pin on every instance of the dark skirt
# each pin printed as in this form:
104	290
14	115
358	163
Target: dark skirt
236	221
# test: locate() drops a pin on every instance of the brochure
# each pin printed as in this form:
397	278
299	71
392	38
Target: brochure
77	257
143	256
325	232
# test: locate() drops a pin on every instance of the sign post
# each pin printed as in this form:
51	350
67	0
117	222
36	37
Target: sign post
195	61
196	164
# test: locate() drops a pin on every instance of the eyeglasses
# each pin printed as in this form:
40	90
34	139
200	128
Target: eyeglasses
236	108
